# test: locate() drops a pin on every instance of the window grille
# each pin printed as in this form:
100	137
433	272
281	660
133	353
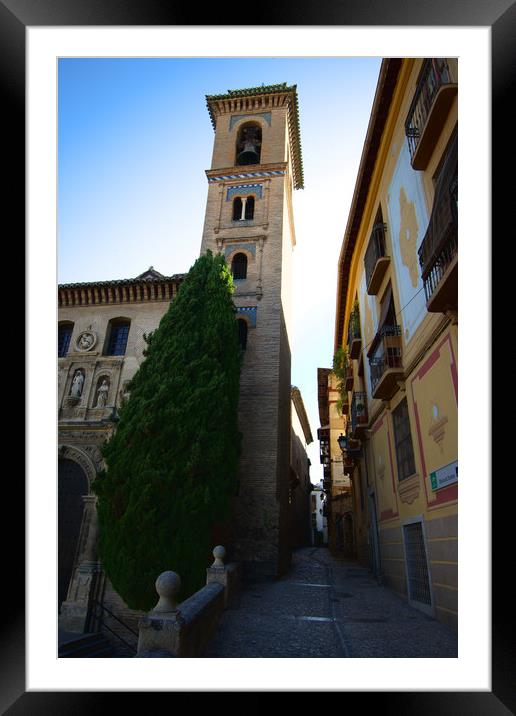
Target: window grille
417	566
403	438
239	266
64	336
118	339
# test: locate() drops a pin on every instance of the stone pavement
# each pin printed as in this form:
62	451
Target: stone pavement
327	607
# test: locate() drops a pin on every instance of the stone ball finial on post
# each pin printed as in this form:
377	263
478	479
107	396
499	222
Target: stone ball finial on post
168	585
219	553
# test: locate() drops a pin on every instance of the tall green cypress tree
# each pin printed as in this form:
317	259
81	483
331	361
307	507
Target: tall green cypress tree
171	465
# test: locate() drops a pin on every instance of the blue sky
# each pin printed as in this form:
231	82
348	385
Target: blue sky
134	141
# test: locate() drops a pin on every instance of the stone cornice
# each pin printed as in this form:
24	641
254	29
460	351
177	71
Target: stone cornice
134	290
301	413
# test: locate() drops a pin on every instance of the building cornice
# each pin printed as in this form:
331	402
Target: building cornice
132	290
387	80
246	173
322	395
295	394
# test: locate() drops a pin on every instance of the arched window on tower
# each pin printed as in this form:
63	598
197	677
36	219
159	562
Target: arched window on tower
249	143
249	208
237	209
239	266
242	333
243	208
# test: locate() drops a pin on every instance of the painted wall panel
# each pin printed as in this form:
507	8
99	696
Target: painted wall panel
435	409
385	474
407	222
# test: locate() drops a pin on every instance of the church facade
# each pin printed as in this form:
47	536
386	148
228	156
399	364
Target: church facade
101	331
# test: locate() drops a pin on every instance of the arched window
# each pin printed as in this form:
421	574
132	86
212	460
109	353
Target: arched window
242	333
249	207
243	208
237	209
249	143
116	339
64	335
239	266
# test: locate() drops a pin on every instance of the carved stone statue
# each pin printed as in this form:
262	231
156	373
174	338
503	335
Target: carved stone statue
102	394
77	383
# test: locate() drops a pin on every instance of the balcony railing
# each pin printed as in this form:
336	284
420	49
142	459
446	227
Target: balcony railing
354	335
376	261
324	454
432	100
358	412
439	249
385	363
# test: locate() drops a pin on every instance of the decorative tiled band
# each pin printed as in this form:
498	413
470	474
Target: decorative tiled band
251	247
249	311
237	117
250	175
244	189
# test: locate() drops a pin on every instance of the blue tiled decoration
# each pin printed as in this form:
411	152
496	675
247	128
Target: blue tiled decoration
251	247
237	117
247	175
244	189
249	311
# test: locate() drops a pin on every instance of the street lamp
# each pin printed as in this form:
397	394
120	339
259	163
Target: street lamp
343	442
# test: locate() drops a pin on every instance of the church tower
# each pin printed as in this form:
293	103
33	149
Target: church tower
255	167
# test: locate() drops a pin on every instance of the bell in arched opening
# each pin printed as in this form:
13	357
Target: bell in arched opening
249	145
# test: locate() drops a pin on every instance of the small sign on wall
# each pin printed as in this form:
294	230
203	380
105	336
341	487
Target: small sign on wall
445	476
341	481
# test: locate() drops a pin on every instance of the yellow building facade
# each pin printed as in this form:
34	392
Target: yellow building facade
396	316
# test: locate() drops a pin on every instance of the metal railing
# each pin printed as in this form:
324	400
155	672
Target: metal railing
99	618
386	354
375	249
442	256
358	410
440	244
434	75
354	326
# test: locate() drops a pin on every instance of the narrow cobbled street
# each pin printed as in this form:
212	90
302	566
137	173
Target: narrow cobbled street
327	607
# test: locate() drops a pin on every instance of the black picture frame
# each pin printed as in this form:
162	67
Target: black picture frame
15	17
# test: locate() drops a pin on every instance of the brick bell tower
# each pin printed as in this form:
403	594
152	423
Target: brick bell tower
256	165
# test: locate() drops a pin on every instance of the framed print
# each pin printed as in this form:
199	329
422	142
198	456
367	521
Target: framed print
52	31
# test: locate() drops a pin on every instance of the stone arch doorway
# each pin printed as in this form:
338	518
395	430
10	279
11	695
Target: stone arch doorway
72	485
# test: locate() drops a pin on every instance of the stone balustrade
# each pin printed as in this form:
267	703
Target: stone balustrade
184	630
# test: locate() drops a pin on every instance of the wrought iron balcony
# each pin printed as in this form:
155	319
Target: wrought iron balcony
324	454
438	253
323	435
385	362
376	260
433	98
354	335
359	418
